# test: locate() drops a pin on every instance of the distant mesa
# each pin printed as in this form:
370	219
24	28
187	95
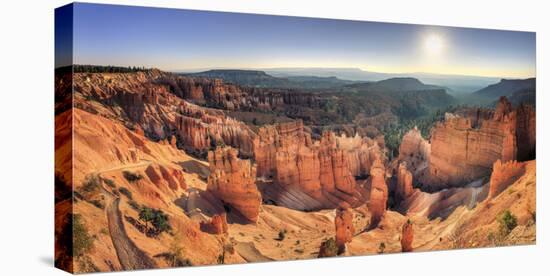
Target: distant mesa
261	79
397	84
507	88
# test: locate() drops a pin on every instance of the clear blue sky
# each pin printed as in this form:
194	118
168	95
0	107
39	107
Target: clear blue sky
173	39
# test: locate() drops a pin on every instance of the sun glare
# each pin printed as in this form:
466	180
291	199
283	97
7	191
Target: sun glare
434	44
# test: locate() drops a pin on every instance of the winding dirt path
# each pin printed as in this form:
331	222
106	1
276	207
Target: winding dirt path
129	255
250	253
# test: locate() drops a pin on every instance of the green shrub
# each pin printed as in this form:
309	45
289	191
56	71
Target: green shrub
221	258
160	221
507	222
282	235
146	215
91	183
125	192
109	182
174	260
77	196
328	248
97	203
134	205
82	241
131	176
381	248
157	218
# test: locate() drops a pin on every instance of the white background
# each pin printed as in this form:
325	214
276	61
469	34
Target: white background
27	123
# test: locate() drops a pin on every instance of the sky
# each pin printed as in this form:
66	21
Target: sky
186	40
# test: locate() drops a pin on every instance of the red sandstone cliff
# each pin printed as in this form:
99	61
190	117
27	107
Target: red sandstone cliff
232	180
503	175
464	148
526	132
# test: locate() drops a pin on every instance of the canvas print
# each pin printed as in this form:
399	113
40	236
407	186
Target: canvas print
191	138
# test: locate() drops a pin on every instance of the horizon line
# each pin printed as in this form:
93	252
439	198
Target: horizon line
203	69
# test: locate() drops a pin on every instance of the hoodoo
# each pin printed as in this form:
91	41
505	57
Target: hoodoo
378	192
344	226
232	180
407	236
404	187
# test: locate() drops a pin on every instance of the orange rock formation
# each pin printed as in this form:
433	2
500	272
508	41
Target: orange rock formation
407	236
344	226
464	148
287	153
147	102
404	187
163	176
378	192
217	225
503	175
415	150
232	180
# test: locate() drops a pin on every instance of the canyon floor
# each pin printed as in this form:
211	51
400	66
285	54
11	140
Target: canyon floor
156	181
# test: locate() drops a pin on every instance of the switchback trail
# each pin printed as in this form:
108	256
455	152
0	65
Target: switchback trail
129	255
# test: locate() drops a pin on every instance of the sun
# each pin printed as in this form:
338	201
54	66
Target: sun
434	44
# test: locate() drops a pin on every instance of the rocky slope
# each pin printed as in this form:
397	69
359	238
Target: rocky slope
143	101
105	200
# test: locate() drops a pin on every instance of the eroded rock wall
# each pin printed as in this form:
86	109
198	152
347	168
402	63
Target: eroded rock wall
287	154
464	148
146	102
